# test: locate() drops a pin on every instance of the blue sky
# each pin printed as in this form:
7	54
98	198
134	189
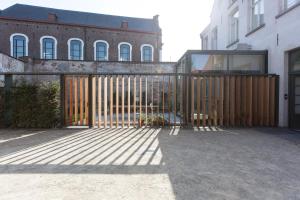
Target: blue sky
181	21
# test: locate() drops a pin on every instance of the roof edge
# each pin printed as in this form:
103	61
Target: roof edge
81	25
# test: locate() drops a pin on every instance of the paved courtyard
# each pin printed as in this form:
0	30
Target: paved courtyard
150	163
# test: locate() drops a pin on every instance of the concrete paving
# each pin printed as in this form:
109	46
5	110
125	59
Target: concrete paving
150	163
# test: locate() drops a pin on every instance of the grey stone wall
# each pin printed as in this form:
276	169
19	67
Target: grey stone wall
9	64
84	66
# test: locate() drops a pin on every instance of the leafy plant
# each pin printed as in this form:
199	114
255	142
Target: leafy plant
35	106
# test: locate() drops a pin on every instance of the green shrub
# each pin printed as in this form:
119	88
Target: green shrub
35	106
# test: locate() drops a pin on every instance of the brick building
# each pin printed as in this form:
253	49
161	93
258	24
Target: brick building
46	33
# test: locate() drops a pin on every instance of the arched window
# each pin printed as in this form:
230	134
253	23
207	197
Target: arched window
48	47
101	50
75	49
18	45
125	51
147	53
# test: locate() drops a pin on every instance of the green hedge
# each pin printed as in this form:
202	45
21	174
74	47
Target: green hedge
35	106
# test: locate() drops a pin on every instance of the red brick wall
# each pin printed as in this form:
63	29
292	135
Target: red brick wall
35	30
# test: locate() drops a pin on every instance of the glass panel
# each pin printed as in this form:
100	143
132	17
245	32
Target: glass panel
234	27
247	63
297	90
297	109
125	52
101	51
147	54
19	47
295	61
208	62
48	48
297	81
76	50
297	100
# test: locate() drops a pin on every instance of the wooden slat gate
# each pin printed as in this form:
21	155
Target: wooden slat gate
167	100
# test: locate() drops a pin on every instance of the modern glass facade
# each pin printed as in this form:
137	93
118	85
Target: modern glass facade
223	62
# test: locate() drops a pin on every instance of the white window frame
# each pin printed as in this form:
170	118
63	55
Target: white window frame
12	43
251	8
69	47
285	4
214	39
232	29
119	50
142	53
55	45
95	49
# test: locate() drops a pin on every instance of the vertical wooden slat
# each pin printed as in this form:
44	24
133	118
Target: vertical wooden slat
128	99
123	102
232	100
243	100
163	100
238	100
221	101
158	97
117	101
152	102
134	101
66	100
204	92
146	101
81	100
216	98
71	102
99	101
198	100
75	101
141	98
255	95
175	100
192	100
272	101
210	116
227	100
94	100
267	101
86	100
249	101
111	99
187	116
169	99
261	100
105	102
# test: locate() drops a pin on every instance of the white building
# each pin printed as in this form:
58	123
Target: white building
272	25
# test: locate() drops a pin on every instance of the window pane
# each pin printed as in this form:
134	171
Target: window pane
19	46
234	27
147	54
208	62
295	61
48	48
125	52
257	15
290	3
101	51
76	50
247	63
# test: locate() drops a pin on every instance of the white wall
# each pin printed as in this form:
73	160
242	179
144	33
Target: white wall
287	27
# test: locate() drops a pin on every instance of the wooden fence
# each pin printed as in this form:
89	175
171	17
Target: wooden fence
167	100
